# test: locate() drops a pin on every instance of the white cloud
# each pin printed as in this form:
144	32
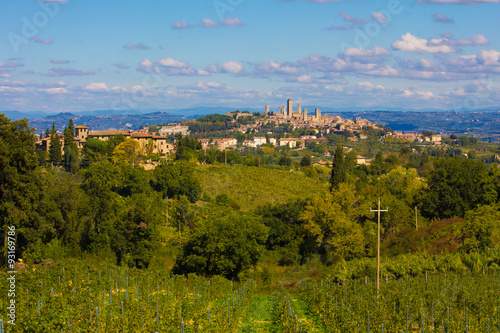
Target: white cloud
478	39
118	89
358	51
491	57
59	61
8	89
272	67
97	87
10	64
180	25
380	18
57	71
170	66
304	78
364	86
140	46
231	67
232	21
170	62
208	23
146	63
441	18
410	43
422	94
354	20
54	91
42	41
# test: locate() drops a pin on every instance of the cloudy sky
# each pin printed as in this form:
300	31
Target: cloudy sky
80	55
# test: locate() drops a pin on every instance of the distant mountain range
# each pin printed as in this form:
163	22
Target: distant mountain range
484	124
201	111
189	112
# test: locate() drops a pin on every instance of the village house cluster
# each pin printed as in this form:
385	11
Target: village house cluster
298	118
157	144
415	137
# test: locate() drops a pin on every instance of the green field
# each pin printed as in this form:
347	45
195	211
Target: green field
251	187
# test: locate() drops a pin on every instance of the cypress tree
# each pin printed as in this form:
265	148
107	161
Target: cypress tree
179	147
338	169
70	148
55	148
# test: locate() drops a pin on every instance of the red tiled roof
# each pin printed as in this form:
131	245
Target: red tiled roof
141	135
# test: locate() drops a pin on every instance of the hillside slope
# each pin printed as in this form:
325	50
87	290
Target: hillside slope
251	187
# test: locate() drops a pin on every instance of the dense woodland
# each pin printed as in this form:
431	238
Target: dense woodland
99	202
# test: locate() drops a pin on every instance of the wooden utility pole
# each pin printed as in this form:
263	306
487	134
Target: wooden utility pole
378	243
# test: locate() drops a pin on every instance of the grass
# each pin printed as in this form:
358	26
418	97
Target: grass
261	315
251	187
310	320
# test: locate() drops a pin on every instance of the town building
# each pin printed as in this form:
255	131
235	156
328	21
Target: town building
290	142
174	129
260	140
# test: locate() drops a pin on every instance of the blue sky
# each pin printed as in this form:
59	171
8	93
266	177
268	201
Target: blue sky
80	55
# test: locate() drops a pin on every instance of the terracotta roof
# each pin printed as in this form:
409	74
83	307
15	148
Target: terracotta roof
141	135
61	137
108	133
81	126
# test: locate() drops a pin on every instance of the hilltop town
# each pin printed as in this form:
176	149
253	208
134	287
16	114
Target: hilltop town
285	127
157	139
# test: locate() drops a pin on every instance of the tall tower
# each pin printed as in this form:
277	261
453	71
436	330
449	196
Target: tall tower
289	108
304	114
82	132
299	108
267	109
284	111
318	114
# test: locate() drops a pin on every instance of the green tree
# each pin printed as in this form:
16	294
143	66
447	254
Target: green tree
334	234
113	142
285	161
403	183
457	185
55	148
71	153
126	152
94	150
21	184
134	233
100	181
249	160
179	147
306	161
338	169
481	230
175	179
225	243
132	181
